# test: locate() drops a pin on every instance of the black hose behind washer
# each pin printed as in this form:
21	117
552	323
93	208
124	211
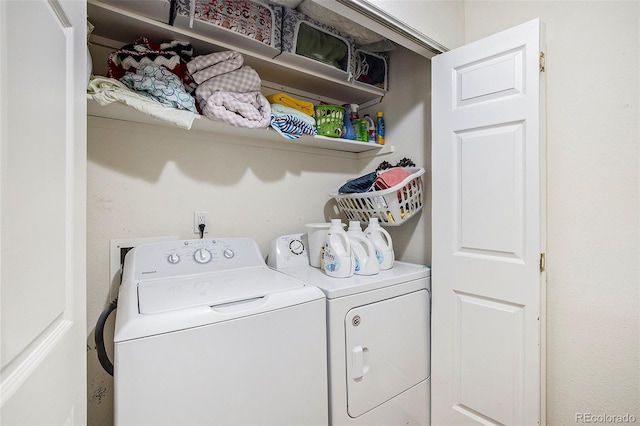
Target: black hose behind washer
99	334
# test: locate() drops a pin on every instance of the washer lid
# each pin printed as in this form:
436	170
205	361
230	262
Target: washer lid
161	295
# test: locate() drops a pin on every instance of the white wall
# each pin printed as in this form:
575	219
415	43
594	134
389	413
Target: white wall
407	111
441	20
593	96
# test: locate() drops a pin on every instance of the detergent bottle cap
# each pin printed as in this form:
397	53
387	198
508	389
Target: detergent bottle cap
354	225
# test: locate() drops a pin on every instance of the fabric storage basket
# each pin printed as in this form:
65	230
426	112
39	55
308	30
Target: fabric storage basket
159	10
392	206
314	46
252	25
371	69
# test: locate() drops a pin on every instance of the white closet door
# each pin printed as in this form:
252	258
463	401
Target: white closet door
488	231
43	159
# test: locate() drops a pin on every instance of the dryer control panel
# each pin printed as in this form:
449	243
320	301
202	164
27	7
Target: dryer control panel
288	251
185	257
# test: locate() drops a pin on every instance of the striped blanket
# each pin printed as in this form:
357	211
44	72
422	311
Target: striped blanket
173	55
290	122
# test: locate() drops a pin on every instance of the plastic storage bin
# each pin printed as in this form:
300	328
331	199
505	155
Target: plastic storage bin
329	119
312	45
252	25
392	206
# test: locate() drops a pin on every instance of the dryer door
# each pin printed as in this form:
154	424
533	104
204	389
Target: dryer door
387	349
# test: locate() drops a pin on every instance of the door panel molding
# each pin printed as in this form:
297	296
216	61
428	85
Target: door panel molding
490	205
23	366
498	76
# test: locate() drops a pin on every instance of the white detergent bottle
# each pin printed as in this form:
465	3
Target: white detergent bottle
338	257
364	252
382	242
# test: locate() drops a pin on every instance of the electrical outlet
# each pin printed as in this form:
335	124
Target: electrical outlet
200	218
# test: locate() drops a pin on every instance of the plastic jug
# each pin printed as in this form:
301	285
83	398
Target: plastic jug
380	129
316	239
382	242
338	257
347	127
371	129
364	252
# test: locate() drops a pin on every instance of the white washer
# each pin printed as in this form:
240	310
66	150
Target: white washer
379	333
207	334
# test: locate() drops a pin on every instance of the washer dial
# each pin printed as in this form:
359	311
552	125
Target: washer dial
202	255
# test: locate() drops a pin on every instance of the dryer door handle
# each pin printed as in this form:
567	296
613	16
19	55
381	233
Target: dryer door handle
359	362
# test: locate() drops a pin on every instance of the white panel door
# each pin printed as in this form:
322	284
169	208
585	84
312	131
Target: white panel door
43	159
488	231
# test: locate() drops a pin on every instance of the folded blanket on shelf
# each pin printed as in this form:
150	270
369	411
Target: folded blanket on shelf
290	101
251	110
291	123
106	90
173	55
291	127
242	80
281	110
162	85
204	67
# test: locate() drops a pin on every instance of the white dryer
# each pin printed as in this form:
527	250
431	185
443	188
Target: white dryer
379	330
207	334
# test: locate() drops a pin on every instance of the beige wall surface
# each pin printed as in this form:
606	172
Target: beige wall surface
441	20
593	276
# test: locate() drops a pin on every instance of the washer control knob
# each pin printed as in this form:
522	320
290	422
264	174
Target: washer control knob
202	255
173	258
228	253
